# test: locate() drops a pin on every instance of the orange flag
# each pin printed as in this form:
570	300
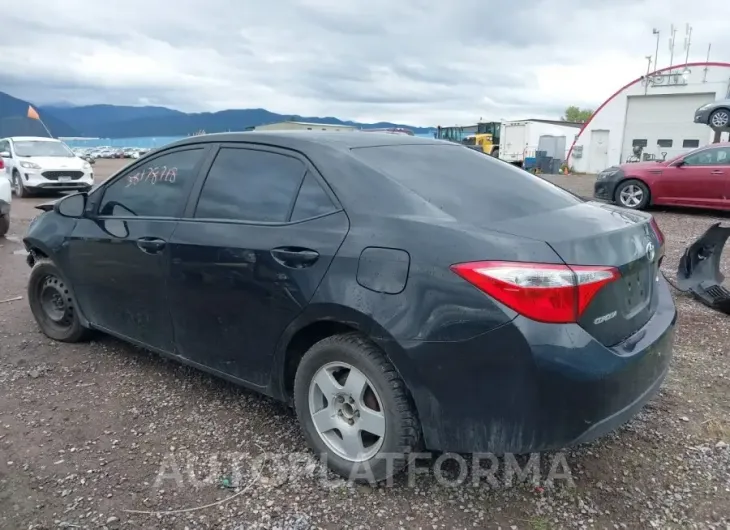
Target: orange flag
32	113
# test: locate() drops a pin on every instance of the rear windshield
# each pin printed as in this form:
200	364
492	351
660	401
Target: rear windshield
466	184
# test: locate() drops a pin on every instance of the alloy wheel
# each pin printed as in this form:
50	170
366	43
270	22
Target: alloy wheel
631	196
347	412
720	118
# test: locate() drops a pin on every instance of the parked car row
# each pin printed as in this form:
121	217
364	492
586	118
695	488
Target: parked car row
92	153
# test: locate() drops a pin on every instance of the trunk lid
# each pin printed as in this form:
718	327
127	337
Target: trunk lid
598	234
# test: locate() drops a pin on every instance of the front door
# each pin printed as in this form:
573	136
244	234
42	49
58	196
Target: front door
259	241
119	256
701	179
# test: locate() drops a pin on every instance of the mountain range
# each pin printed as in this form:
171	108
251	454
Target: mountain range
116	121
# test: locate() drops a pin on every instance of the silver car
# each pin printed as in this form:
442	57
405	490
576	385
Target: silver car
715	114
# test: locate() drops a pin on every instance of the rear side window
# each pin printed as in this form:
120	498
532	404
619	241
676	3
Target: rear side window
466	184
312	200
248	185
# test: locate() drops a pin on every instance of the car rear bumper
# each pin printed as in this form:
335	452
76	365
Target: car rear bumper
528	387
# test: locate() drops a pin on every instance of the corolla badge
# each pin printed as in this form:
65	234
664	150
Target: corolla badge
650	251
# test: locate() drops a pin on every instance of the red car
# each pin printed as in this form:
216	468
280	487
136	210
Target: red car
700	178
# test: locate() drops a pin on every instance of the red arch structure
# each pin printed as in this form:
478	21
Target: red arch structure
627	85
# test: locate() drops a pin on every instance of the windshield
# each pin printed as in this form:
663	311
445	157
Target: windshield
41	148
466	184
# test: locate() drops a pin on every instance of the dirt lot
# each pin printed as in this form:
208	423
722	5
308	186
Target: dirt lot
86	429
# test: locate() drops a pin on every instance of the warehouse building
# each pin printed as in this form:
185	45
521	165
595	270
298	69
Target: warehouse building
654	113
302	126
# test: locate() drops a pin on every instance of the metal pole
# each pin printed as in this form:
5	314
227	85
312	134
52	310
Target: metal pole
656	53
704	77
648	70
687	42
46	128
673	32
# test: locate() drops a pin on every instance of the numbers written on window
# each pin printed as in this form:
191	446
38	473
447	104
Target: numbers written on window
249	185
157	188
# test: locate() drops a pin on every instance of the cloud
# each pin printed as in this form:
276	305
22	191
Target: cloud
414	61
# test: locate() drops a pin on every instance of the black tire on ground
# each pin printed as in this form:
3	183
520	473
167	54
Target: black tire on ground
722	117
20	191
4	224
402	428
70	329
626	186
495	153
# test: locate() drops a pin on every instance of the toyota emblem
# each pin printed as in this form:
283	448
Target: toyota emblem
650	252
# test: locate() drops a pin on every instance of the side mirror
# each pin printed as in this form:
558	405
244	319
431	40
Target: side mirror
72	206
680	163
4	154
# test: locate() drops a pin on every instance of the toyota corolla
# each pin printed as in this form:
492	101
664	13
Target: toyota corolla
401	293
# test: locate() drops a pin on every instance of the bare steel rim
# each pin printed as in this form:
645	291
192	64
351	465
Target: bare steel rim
720	118
631	196
55	302
347	412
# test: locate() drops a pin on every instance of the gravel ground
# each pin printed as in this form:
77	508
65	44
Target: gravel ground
86	430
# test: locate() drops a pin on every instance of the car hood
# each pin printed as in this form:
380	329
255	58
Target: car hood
55	162
643	165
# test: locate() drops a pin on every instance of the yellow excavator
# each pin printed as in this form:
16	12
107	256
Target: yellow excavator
484	139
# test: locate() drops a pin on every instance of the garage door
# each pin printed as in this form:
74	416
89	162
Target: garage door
664	124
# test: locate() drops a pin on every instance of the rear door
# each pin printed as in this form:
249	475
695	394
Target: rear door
260	233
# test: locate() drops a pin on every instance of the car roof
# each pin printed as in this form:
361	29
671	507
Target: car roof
32	139
312	139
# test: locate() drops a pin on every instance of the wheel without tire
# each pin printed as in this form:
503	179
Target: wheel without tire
632	194
355	409
52	303
20	190
719	119
4	224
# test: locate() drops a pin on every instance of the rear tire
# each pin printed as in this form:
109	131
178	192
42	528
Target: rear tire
377	414
632	194
719	119
53	304
4	224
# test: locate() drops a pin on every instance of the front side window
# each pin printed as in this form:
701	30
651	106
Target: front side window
155	188
248	185
36	148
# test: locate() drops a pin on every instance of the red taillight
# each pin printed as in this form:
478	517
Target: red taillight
2	164
657	231
541	291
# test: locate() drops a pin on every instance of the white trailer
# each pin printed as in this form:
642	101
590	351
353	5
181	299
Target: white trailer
518	140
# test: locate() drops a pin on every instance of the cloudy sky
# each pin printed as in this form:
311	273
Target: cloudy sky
421	62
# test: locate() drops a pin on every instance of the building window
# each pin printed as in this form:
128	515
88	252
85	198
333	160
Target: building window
639	143
664	143
690	144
